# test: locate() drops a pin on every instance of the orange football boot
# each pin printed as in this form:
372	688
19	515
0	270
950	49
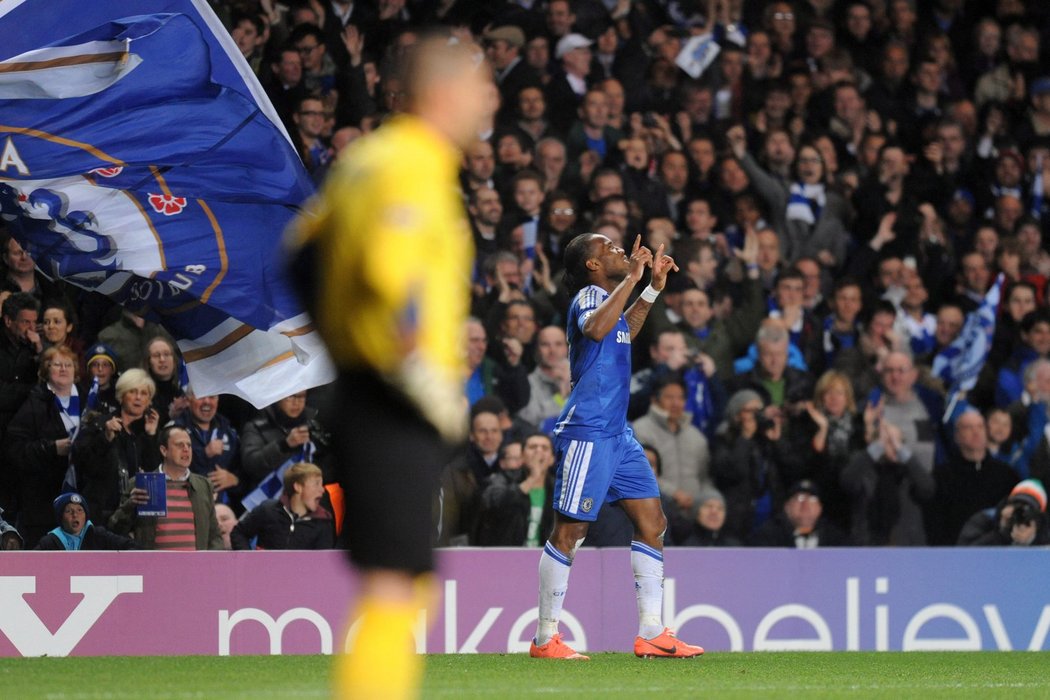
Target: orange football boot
665	646
556	649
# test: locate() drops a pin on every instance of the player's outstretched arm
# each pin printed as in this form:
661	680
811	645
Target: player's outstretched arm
601	322
636	315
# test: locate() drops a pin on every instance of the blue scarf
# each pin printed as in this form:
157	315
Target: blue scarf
837	340
806	202
921	337
71	542
92	397
69	411
699	400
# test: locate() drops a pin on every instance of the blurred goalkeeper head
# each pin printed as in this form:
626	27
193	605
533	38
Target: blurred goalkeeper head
449	84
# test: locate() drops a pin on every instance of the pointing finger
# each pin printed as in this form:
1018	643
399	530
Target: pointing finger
637	243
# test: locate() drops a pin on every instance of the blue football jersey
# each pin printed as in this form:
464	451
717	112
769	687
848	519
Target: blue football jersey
601	374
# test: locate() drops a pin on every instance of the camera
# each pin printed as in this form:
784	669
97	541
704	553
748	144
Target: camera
318	435
1024	514
764	423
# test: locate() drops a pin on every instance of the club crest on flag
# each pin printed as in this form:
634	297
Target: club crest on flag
167	204
184	229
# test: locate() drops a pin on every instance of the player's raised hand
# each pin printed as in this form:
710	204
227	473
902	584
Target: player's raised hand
641	258
662	265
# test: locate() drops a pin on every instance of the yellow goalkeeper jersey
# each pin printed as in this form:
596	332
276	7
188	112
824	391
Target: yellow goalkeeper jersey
393	254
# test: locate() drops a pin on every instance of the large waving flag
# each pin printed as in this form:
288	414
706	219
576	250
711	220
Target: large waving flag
140	158
959	364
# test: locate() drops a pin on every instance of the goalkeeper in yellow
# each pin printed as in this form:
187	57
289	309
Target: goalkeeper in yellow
384	258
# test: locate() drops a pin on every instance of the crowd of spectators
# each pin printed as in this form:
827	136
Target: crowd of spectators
841	182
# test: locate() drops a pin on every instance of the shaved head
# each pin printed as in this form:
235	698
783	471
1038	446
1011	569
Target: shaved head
447	83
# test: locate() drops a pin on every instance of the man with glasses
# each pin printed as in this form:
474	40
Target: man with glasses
309	119
318	67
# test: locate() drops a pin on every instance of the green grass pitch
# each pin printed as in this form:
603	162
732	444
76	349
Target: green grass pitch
745	675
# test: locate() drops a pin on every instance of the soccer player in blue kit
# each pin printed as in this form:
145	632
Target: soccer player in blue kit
599	460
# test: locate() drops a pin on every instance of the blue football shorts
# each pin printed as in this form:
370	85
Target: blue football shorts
591	473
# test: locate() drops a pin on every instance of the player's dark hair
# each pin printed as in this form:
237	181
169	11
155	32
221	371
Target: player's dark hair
577	253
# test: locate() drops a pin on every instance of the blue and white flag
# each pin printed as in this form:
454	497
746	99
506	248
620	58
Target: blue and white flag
92	397
140	158
697	54
272	484
959	364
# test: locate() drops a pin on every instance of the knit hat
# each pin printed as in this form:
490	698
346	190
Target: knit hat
101	351
740	399
804	486
1031	491
65	499
710	494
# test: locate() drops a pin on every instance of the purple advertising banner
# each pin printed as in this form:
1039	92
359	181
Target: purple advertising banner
222	603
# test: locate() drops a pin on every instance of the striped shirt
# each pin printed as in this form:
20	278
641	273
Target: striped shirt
177	530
